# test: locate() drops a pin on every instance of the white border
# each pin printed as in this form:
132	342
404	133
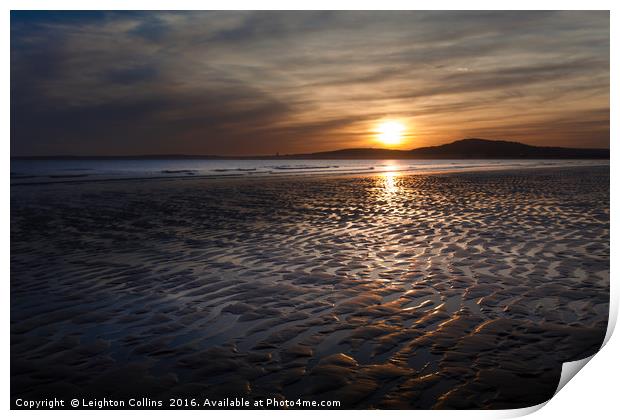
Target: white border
592	393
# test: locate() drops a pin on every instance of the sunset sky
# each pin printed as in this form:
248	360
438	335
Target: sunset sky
248	83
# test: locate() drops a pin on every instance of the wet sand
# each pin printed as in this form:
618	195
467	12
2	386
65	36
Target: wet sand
462	290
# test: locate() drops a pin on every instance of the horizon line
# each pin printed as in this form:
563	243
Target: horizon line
278	155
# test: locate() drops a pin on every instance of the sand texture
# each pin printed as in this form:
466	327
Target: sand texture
380	291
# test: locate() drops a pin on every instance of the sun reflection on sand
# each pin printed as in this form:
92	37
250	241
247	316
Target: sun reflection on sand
388	191
390	181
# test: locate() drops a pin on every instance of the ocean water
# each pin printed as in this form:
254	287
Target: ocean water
25	171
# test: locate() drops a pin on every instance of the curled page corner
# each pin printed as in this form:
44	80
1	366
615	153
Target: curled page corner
611	322
520	412
569	370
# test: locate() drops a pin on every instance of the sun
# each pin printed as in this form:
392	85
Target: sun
390	133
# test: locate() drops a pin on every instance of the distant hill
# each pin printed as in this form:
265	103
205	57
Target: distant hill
460	149
464	149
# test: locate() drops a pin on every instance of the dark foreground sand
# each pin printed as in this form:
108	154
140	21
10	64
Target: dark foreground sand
444	291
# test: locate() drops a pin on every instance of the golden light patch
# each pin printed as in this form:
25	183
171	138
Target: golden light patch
390	133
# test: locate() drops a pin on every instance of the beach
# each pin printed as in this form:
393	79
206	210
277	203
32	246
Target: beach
386	290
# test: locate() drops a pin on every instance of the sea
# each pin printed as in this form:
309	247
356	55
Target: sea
43	171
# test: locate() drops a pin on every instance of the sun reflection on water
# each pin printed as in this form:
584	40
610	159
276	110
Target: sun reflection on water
389	181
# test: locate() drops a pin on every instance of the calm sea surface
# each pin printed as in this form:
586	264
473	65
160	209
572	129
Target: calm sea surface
61	170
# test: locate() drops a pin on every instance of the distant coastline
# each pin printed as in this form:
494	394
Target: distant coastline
460	149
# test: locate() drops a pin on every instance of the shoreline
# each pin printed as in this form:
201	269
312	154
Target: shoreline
298	175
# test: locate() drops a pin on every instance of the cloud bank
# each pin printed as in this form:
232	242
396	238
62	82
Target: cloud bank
246	83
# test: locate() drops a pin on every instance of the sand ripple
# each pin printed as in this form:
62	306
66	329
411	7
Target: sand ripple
448	291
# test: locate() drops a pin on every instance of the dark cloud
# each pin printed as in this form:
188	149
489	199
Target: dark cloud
261	82
151	28
166	123
273	26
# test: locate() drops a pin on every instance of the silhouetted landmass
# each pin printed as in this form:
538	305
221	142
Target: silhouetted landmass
460	149
466	149
498	149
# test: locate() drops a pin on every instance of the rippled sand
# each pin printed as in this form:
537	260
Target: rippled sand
392	291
